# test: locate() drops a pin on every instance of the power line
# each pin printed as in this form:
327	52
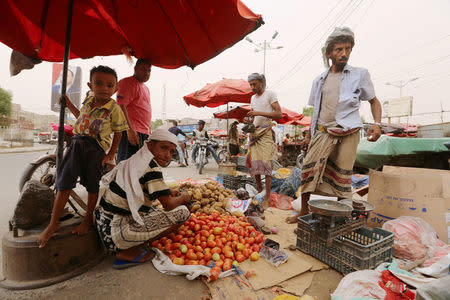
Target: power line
310	54
363	15
287	74
311	32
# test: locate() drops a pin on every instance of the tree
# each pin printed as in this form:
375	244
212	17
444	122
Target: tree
5	102
155	124
308	111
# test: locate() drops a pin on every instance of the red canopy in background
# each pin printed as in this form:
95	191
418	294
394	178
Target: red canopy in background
169	33
220	93
305	121
240	112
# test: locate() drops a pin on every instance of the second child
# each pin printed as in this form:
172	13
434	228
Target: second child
90	149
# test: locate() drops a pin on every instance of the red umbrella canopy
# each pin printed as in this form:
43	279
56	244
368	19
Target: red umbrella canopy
169	33
240	112
305	121
221	92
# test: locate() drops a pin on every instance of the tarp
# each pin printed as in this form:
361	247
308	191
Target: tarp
376	154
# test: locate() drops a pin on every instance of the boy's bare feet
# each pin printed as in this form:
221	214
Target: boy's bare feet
47	234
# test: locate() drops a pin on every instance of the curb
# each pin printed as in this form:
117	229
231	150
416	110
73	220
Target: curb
24	150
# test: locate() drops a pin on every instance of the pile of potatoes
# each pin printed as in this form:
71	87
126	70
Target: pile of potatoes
207	198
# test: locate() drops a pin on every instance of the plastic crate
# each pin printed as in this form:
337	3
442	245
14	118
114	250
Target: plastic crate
236	182
363	248
328	234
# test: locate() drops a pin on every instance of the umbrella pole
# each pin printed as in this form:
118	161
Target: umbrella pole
64	84
228	128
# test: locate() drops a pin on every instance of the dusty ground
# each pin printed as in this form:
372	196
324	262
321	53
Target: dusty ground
103	281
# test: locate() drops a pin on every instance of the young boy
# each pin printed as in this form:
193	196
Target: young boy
98	118
126	217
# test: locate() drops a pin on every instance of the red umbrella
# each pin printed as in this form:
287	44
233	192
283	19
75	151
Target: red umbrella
169	33
220	93
305	121
240	112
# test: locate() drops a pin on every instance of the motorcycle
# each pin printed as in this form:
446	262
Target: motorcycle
204	155
176	156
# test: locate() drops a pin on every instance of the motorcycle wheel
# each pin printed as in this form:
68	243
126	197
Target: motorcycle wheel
223	156
201	161
41	172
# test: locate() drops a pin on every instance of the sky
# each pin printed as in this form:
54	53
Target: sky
395	40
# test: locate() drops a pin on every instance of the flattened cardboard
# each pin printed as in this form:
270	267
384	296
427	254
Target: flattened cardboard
423	193
298	284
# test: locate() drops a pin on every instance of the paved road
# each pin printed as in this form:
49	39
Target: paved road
102	281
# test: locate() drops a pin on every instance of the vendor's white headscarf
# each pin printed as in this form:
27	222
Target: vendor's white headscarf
163	134
257	76
338	32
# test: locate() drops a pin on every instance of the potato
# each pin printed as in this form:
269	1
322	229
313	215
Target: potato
204	202
195	208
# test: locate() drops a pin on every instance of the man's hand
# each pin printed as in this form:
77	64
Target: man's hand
253	113
83	228
185	197
108	157
374	133
306	142
132	137
65	97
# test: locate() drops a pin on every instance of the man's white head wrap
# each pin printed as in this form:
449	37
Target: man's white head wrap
257	76
162	133
338	32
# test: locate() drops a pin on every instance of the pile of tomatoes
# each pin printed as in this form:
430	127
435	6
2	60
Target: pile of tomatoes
225	240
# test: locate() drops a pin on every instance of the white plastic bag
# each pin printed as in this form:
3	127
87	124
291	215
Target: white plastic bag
235	204
439	269
164	265
297	204
359	285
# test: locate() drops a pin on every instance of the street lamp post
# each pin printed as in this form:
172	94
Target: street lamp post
401	84
264	46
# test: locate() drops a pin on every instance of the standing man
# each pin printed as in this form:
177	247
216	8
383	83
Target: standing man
133	96
333	138
175	130
201	133
262	148
233	139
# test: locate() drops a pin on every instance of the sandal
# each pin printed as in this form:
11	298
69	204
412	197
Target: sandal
120	264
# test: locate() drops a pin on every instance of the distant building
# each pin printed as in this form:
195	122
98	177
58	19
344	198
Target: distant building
29	120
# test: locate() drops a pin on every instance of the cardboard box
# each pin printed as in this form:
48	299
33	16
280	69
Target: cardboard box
423	193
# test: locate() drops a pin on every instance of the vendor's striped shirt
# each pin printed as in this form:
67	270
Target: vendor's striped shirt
152	184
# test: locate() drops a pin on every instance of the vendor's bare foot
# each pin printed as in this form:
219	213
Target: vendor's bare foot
47	234
291	219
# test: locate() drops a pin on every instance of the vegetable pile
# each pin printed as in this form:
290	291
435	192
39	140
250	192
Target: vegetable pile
225	240
208	198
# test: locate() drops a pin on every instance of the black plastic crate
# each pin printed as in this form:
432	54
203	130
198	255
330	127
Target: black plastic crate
329	233
236	182
363	248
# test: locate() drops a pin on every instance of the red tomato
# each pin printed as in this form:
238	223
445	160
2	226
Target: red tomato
214	274
206	250
197	227
256	248
254	256
197	242
178	261
227	265
192	262
219	263
246	252
203	244
240	258
229	254
200	255
259	238
211	243
191	255
154	243
216	250
219	243
172	257
171	235
207	256
176	246
177	252
198	249
202	262
202	239
184	241
250	240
